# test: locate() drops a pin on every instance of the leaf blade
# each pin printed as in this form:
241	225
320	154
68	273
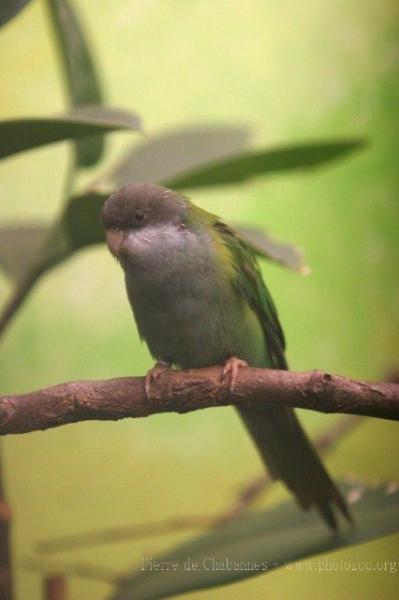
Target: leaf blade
270	538
10	8
20	244
169	154
240	168
18	135
267	246
82	82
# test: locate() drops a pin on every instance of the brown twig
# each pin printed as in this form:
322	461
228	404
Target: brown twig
54	588
17	298
54	569
6	587
185	391
247	495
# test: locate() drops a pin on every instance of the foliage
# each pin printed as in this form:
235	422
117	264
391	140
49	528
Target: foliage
257	544
215	158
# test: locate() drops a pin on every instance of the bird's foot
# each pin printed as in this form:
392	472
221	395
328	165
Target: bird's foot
153	375
230	371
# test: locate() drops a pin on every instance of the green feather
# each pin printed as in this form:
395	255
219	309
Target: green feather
249	283
247	280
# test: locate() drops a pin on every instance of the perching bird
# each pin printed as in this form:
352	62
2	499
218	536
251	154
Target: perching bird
198	298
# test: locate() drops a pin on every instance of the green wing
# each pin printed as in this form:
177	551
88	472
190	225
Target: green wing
277	433
250	285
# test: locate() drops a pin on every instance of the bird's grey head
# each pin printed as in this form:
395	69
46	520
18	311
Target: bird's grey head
140	216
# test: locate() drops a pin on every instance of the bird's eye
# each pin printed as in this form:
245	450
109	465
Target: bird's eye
139	215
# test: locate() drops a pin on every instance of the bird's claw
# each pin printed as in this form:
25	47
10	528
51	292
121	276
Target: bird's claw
230	371
153	375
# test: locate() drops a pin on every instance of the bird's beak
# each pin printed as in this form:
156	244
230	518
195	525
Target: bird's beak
115	239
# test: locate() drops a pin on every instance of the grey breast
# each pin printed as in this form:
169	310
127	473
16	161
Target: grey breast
185	309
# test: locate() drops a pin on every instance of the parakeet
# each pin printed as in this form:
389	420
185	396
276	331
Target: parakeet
199	299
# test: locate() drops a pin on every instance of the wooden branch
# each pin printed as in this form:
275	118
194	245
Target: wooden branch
185	391
57	570
6	582
54	588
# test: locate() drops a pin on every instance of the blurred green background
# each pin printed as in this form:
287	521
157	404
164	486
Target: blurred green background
293	71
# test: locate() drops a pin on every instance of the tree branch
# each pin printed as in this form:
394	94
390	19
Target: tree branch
57	569
54	588
185	391
6	582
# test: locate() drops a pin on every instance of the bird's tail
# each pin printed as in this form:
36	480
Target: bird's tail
289	456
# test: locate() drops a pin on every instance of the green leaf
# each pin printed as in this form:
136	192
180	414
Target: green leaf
17	135
261	162
20	246
259	543
80	224
81	221
268	247
174	153
80	73
10	8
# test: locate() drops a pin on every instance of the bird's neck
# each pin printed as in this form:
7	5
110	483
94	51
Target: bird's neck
162	254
